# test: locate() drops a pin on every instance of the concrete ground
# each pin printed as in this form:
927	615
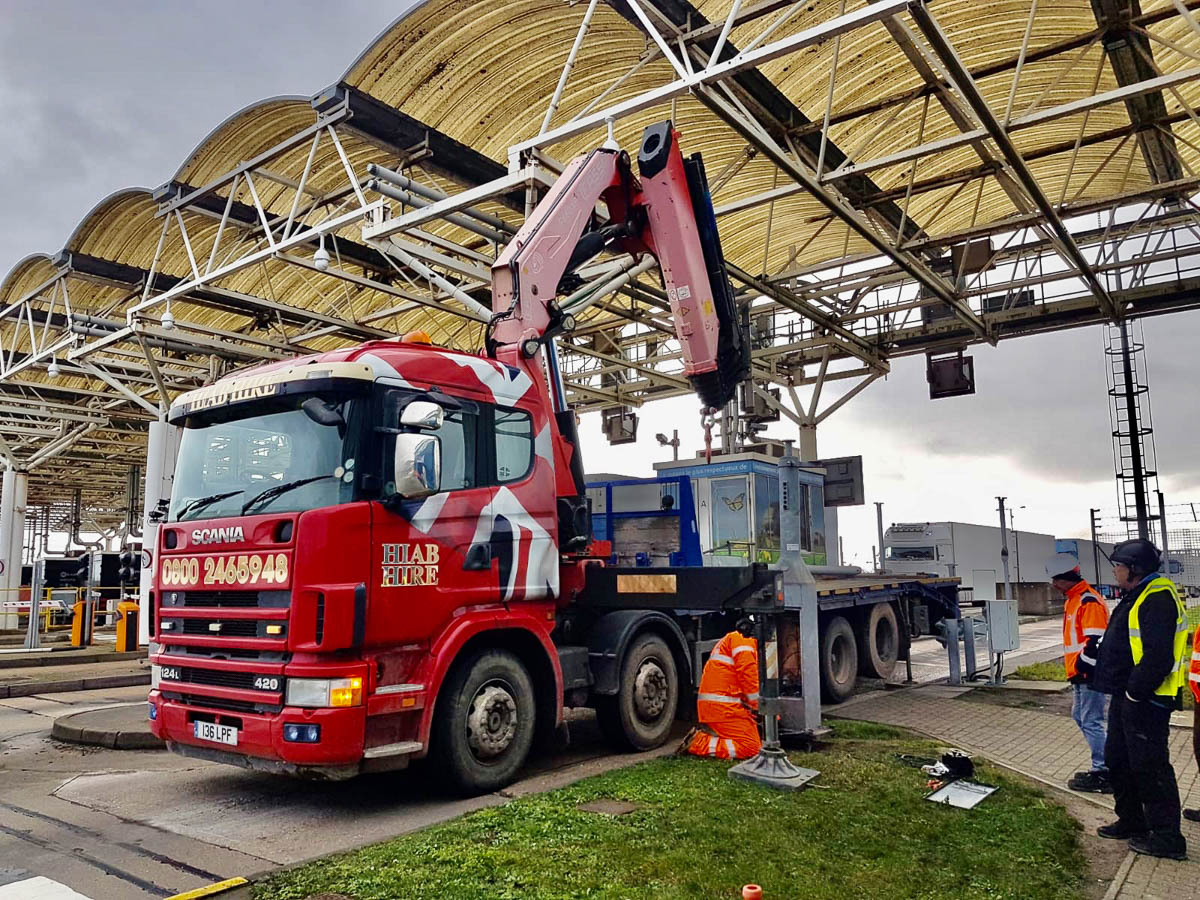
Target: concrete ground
117	825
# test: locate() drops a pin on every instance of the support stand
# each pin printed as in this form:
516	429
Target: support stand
771	766
794	591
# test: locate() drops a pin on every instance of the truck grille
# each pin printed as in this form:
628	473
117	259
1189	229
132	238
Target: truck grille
238	628
227	599
222	703
244	680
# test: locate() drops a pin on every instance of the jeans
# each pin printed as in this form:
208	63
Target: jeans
1088	711
1144	787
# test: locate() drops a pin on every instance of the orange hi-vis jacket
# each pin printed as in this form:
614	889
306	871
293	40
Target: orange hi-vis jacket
1085	618
1194	672
728	693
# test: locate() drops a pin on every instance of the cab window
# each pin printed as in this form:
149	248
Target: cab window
513	430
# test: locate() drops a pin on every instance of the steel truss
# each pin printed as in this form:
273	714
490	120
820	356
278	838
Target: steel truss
409	222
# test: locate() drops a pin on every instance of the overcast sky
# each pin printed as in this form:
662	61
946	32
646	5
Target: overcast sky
100	96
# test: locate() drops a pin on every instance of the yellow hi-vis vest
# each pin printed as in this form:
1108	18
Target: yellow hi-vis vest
1175	681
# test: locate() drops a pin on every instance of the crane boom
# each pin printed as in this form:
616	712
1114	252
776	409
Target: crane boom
667	213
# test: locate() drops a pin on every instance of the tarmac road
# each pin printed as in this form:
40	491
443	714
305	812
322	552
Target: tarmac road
116	825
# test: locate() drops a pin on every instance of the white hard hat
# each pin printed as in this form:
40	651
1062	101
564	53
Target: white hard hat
1061	564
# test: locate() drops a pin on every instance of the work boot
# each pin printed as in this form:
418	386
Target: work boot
1156	843
1091	783
1192	815
682	749
1120	831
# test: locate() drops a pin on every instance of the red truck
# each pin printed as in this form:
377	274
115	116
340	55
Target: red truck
379	554
385	553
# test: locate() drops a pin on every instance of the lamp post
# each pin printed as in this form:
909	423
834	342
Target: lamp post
1016	542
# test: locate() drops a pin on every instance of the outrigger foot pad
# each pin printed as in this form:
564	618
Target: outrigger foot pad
772	768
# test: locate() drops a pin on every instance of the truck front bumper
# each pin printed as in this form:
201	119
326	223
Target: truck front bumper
260	744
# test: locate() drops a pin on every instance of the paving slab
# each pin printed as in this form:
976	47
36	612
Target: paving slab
1016	684
81	676
20	658
123	727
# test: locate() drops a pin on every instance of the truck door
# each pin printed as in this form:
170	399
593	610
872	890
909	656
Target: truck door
422	563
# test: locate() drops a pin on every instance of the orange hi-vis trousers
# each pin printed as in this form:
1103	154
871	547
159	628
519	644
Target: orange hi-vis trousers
728	686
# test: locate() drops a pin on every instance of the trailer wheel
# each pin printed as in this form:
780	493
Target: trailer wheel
640	715
485	722
879	643
839	660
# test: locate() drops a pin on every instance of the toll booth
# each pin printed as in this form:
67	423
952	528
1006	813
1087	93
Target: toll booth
721	513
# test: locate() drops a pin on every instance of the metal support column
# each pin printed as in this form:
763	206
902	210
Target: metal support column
1095	546
161	447
13	493
879	529
797	590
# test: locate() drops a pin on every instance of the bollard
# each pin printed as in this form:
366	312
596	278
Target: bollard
127	626
751	892
78	620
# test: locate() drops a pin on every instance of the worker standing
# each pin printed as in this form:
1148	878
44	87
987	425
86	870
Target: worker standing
1085	617
1193	815
1143	667
728	698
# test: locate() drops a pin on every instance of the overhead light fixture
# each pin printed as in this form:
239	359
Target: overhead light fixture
321	257
168	321
53	370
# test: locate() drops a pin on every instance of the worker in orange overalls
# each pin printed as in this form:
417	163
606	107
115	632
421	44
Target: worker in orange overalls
728	699
1085	617
1194	683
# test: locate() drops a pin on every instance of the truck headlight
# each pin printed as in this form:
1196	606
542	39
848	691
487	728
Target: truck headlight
338	692
155	676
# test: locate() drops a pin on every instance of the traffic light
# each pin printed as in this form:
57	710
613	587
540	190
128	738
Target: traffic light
78	577
130	572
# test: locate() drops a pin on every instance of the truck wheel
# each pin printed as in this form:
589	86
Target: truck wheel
839	660
485	722
879	644
640	715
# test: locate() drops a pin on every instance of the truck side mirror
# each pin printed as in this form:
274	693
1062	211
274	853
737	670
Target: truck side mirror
417	464
422	414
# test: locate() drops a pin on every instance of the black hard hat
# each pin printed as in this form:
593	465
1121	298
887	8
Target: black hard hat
745	626
1139	555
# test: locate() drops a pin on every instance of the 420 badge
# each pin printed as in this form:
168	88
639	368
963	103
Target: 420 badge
246	569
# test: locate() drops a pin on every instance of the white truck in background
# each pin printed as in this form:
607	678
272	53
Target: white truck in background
970	552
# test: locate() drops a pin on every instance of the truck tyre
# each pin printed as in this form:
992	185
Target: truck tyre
640	715
879	643
839	660
484	724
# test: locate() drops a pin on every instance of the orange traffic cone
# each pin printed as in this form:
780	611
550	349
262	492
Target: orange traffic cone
751	892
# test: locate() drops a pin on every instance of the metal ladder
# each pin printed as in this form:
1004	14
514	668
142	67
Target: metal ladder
1132	426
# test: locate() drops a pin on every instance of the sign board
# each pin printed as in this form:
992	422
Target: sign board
843	481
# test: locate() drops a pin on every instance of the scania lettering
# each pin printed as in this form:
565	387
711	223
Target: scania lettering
415	573
218	535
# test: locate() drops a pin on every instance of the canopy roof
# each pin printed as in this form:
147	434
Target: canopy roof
890	178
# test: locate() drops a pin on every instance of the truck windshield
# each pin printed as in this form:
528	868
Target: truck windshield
277	458
911	553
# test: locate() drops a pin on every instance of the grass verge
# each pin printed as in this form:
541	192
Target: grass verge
863	830
1055	671
1043	671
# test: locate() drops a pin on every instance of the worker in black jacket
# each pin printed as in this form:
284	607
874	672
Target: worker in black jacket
1142	666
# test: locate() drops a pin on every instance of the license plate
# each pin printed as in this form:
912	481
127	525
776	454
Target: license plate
219	734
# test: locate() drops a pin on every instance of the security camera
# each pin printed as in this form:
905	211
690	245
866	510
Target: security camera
321	259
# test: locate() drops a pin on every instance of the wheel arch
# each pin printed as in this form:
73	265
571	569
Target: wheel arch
529	644
610	637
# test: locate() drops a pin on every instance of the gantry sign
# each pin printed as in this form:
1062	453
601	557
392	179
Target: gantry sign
890	179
